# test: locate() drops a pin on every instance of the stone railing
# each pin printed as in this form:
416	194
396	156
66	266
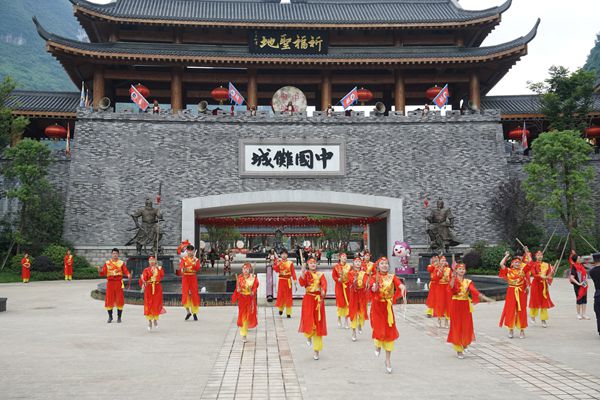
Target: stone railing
284	117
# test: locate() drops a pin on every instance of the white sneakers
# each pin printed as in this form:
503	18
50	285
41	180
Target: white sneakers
377	351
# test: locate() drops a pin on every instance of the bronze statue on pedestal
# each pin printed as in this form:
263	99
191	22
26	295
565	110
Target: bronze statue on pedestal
441	221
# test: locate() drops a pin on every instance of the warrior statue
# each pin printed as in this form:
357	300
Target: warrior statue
441	221
148	233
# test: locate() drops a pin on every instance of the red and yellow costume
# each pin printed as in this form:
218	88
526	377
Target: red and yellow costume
540	301
287	273
245	296
368	266
342	288
514	313
182	247
114	272
433	283
383	321
312	322
359	286
153	292
68	264
25	269
442	293
461	332
188	268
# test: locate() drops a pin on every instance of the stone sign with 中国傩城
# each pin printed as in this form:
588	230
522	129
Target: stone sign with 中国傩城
274	41
295	158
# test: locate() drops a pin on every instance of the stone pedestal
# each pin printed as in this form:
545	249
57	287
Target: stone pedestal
3	304
136	264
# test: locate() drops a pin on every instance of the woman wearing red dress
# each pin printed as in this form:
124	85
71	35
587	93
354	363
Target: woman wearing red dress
153	293
540	301
25	268
357	310
385	290
433	282
461	332
442	294
514	314
245	296
287	275
342	288
312	322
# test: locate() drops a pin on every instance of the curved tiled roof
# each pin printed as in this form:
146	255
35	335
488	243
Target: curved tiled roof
193	52
307	12
523	104
63	102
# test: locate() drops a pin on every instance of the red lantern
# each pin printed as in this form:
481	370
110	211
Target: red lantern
517	134
364	95
593	132
144	91
56	132
432	92
220	94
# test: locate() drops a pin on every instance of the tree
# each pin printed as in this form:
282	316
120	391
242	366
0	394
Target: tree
566	98
339	234
559	178
219	236
511	211
593	60
10	127
40	217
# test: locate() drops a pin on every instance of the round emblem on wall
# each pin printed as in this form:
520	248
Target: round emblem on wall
287	94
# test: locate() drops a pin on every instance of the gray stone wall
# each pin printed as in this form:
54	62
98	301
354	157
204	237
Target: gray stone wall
119	160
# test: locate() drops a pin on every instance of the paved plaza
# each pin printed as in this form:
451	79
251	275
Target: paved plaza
55	344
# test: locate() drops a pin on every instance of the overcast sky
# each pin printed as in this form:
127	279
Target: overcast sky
565	36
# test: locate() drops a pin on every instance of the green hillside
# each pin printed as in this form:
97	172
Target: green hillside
593	60
22	52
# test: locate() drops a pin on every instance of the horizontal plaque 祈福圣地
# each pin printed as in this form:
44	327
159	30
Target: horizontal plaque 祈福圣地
277	157
271	41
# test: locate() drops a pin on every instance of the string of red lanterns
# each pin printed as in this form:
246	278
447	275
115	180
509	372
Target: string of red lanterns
287	221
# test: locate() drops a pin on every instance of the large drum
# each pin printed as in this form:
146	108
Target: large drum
288	94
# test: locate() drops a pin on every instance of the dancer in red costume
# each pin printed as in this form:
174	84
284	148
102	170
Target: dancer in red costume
385	290
153	292
312	322
189	266
442	294
357	309
342	290
433	282
287	274
245	296
514	314
539	300
464	294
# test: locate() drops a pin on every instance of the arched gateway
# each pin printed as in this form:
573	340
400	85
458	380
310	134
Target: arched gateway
283	202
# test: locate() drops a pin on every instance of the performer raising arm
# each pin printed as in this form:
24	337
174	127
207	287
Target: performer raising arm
514	313
312	321
540	300
386	289
245	296
433	281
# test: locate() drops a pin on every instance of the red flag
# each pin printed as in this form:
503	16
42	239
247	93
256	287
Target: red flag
68	148
138	99
524	142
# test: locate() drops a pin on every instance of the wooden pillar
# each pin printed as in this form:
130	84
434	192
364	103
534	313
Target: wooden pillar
98	85
325	90
176	89
252	88
474	90
399	91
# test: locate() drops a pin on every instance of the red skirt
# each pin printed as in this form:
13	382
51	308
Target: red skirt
153	303
114	294
69	270
430	302
189	284
25	273
537	299
312	310
442	300
246	310
511	313
461	323
340	300
284	293
358	304
379	322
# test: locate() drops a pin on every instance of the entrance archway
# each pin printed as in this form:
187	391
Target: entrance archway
296	202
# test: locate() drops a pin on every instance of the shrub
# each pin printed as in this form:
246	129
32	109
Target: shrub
472	260
530	234
492	256
55	253
81	263
44	264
